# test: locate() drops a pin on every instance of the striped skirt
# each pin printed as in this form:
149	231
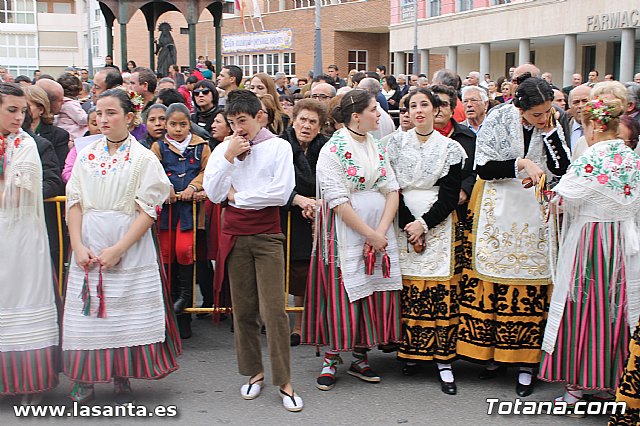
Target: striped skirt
593	338
330	319
153	361
629	389
27	372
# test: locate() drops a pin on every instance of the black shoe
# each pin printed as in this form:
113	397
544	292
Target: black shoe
295	339
389	348
488	374
184	325
449	388
410	369
326	382
525	390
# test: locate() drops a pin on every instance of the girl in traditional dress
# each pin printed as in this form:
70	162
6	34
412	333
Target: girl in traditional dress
29	352
504	298
352	305
117	322
428	167
596	293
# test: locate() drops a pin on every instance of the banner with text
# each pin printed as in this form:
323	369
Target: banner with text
258	42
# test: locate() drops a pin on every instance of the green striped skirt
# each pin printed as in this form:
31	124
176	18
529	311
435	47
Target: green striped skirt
593	338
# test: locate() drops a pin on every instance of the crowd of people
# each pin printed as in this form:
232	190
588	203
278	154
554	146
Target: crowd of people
441	218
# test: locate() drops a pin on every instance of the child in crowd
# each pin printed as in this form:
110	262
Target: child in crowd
72	117
184	157
93	129
253	171
117	322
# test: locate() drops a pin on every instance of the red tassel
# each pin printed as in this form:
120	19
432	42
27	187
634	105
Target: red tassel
86	294
102	309
386	265
370	262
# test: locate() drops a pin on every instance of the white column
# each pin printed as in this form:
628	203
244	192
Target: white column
485	60
452	58
524	51
400	60
569	67
424	62
282	4
627	50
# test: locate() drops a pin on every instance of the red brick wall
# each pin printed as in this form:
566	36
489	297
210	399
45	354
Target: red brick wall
370	18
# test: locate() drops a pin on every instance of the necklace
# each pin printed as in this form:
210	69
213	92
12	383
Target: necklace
117	142
362	135
426	134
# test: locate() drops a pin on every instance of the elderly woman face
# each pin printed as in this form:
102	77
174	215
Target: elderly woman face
306	126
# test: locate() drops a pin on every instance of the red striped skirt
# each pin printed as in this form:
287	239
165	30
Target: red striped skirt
25	372
153	361
593	338
330	319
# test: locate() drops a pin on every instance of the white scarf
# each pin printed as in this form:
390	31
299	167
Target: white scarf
180	146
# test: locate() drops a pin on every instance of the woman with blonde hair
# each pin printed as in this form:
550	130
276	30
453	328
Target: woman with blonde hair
42	124
262	84
276	119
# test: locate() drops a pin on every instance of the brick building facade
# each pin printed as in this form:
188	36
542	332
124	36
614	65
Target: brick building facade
355	34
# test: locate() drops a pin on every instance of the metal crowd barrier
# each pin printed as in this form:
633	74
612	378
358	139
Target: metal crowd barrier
61	264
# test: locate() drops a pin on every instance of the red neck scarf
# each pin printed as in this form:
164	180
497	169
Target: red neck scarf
446	130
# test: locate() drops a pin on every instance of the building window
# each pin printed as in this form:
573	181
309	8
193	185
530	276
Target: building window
289	63
509	62
273	63
57	6
229	7
465	5
358	60
17	12
95	43
269	63
434	8
21	46
497	2
97	15
392	63
409	64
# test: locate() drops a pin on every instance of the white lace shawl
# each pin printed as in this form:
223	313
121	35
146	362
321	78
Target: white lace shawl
22	192
501	138
603	185
420	165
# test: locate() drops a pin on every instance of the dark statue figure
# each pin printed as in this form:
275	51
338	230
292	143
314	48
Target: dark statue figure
165	49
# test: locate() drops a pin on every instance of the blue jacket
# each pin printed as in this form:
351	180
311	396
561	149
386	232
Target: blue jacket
182	170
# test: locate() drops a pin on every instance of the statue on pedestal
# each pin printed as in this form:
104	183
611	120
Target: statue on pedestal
165	49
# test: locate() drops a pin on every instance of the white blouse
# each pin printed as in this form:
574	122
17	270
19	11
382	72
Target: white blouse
131	176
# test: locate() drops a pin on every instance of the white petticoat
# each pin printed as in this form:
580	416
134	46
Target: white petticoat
132	289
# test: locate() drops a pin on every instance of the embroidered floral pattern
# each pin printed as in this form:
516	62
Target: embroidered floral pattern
612	165
101	163
352	168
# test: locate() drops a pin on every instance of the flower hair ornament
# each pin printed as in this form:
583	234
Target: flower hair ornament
600	112
137	100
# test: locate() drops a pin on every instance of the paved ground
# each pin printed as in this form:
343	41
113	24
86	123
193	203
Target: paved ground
206	391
